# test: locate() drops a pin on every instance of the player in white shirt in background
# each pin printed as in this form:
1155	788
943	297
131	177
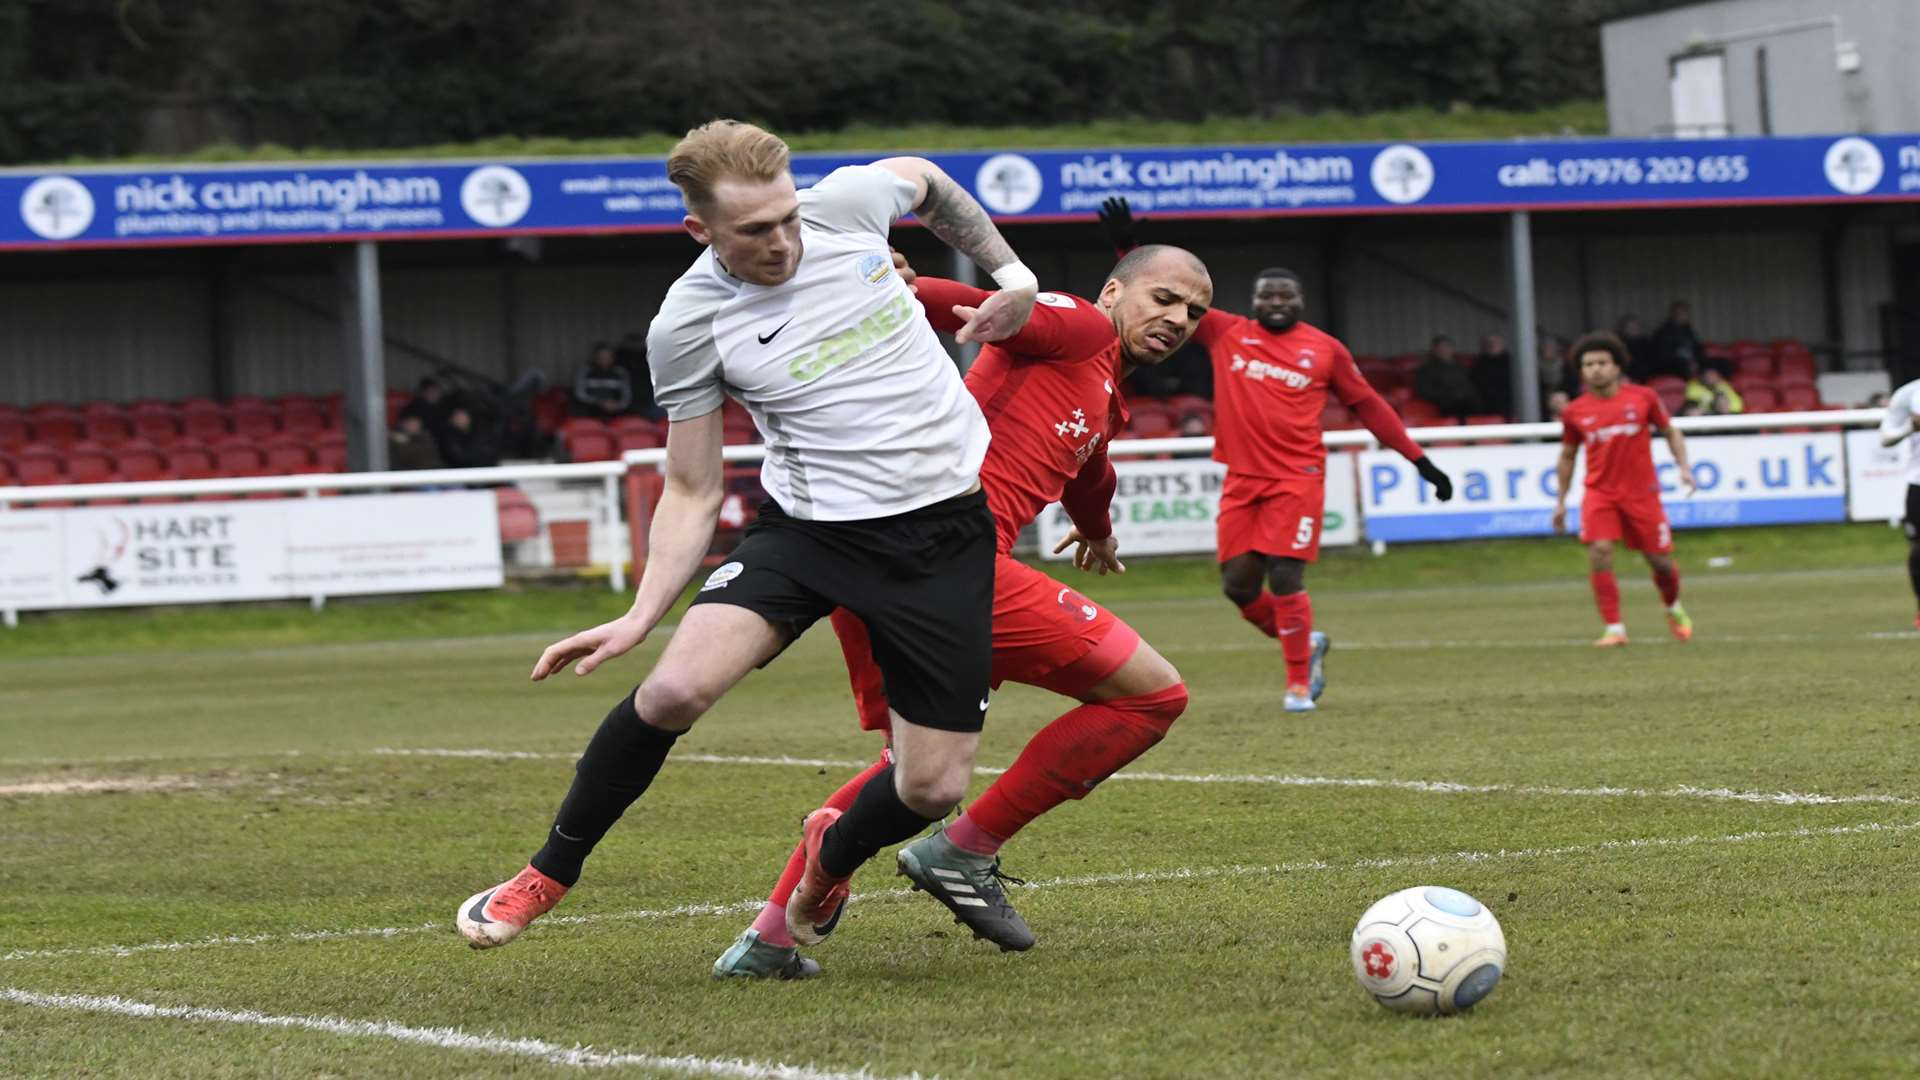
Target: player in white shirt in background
1894	427
873	453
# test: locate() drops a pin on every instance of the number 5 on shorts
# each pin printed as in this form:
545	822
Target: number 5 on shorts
1304	534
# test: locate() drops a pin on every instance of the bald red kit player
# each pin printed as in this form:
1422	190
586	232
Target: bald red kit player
1272	374
1051	398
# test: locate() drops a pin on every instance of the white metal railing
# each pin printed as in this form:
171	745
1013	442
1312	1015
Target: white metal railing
1426	436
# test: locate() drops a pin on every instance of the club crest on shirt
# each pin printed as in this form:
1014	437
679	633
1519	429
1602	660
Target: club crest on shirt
1306	358
873	269
1630	415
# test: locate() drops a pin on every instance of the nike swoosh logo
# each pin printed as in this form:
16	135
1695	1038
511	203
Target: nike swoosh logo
983	704
478	912
764	338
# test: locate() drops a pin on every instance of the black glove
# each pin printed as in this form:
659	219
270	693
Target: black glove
1117	218
1442	484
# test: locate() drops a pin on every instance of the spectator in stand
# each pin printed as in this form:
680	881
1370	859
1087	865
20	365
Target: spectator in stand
1444	383
1493	375
1710	390
1639	346
1193	425
430	404
602	388
1556	374
1557	404
1675	349
410	446
468	445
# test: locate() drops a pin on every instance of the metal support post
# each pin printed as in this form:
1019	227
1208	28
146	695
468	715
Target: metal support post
364	354
1526	333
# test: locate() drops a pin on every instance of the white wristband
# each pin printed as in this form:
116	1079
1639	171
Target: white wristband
1015	276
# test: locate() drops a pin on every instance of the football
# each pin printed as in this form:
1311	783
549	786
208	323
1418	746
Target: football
1428	950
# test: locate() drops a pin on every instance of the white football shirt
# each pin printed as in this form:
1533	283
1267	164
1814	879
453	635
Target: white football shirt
1900	410
863	412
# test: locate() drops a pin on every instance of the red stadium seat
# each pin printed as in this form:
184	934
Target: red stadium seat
637	439
205	425
38	464
1760	399
1334	415
1151	424
89	463
55	427
1182	404
304	420
1416	411
593	443
330	457
740	434
1754	366
189	462
1661	384
1799	398
155	427
632	423
519	518
109	428
1486	418
1399	397
14	432
288	457
248	401
6	470
1798	367
140	460
251	422
237	457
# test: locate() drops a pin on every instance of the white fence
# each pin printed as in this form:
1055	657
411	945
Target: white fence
1855	484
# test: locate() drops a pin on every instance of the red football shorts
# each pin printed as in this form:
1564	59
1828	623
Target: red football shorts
1044	634
1271	516
1640	522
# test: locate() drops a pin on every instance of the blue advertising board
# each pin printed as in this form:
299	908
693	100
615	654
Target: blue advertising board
1510	490
305	202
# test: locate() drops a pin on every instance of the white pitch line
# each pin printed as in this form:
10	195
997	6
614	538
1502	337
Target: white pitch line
1435	644
746	907
446	1038
1431	787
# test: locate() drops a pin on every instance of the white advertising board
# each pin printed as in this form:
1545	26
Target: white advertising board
1876	477
205	552
1169	507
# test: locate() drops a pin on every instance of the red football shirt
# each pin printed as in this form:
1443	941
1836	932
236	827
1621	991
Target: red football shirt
1050	394
1618	434
1269	391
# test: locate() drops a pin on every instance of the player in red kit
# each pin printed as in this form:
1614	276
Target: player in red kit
1615	421
1271	377
1051	398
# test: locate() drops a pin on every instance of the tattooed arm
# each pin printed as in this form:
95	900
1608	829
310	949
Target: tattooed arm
951	214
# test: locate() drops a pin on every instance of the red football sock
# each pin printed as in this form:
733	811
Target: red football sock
1669	586
1606	593
1064	761
797	862
1294	615
1260	613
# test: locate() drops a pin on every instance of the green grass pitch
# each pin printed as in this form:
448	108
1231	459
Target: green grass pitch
1706	858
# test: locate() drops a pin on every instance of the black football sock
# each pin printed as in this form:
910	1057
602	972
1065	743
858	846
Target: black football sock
1913	569
876	819
617	768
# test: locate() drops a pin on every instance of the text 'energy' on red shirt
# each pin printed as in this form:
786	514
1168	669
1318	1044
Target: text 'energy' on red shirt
1617	432
1269	391
1052	401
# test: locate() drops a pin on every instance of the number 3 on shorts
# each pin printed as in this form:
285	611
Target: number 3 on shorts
1304	534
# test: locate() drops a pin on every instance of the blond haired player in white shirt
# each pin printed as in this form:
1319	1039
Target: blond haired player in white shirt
1896	426
873	454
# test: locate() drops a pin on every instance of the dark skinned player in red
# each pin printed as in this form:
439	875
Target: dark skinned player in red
1051	398
1271	377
